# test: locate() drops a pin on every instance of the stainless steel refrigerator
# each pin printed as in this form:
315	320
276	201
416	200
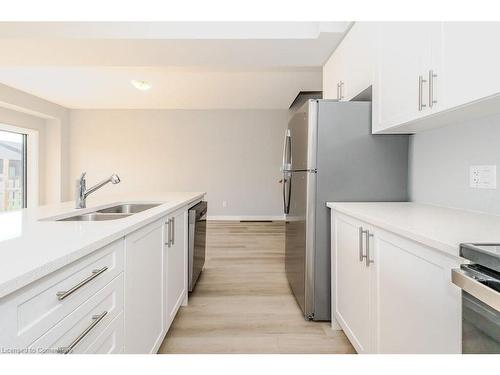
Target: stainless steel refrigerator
329	154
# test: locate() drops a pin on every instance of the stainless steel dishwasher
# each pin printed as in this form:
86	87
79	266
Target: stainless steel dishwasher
480	283
197	241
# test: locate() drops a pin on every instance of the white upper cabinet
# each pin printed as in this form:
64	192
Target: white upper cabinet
423	74
332	75
470	60
358	55
350	69
406	55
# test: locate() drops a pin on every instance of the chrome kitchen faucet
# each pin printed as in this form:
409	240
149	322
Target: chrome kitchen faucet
82	192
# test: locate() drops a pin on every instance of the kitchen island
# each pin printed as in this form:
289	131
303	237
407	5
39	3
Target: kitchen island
118	281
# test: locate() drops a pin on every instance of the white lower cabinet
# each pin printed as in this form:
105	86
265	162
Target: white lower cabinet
175	265
144	289
121	298
34	310
350	273
417	310
402	301
76	332
155	281
111	339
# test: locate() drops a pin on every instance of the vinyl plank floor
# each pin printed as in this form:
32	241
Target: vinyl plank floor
242	302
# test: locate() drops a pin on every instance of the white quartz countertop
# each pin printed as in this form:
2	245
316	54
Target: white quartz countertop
32	247
441	228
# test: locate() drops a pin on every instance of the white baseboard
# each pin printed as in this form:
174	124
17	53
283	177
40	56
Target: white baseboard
246	218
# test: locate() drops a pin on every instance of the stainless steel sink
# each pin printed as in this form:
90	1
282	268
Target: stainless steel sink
119	211
95	216
128	208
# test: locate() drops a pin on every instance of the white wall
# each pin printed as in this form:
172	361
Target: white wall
233	155
15	105
48	155
440	161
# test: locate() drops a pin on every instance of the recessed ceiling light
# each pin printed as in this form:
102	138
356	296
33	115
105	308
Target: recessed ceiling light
141	85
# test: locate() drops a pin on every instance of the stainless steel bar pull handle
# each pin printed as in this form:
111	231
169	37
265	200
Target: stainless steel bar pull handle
421	82
367	239
432	101
338	91
173	231
170	225
96	319
65	293
341	90
167	231
360	245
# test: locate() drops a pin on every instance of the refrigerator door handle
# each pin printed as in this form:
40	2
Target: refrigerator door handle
287	150
301	170
287	162
289	182
284	192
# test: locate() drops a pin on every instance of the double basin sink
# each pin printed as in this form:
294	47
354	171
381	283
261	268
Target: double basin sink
112	213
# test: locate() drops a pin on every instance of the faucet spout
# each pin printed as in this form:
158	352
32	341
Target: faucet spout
82	192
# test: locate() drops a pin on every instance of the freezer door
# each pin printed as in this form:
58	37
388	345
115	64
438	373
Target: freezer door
299	150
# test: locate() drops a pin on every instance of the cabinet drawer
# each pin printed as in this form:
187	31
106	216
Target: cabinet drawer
84	326
111	339
32	311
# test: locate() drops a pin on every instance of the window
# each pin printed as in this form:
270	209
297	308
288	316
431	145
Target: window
12	170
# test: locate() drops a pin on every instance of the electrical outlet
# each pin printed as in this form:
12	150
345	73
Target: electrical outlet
483	176
224	204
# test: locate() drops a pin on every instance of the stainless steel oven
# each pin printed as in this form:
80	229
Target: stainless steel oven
480	283
196	242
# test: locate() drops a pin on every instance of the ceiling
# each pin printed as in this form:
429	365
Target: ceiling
190	65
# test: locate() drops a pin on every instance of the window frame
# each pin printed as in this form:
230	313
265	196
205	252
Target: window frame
30	167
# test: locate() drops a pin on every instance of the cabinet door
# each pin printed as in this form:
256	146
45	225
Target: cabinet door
144	289
332	75
176	266
470	61
418	309
351	284
359	58
404	53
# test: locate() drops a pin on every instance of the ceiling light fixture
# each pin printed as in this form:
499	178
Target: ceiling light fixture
141	85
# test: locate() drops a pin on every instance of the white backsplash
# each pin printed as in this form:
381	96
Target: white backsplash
440	161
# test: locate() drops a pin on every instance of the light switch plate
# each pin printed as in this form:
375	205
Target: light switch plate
483	176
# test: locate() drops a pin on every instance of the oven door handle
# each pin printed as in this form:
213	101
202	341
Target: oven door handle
483	293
